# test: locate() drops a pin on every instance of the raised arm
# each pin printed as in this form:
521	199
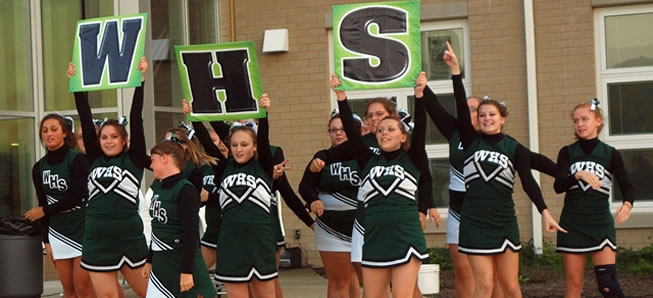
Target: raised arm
444	122
137	147
263	140
467	131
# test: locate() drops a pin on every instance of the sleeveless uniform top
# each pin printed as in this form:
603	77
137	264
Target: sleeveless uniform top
586	211
338	190
245	193
488	223
113	186
166	220
56	179
489	170
392	230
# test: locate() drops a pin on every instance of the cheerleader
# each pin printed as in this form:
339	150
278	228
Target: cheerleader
60	182
449	127
246	244
585	173
394	245
331	195
489	234
113	235
175	267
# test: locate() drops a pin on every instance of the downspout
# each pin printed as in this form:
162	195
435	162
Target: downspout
533	126
232	19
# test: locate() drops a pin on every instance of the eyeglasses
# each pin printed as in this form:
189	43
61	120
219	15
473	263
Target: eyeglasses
336	130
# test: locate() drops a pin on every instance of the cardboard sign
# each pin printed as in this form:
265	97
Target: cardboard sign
221	81
107	51
377	45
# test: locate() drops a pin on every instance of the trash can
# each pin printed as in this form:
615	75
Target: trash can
21	256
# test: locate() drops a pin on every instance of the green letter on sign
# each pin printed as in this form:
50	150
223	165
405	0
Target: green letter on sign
377	45
221	81
107	51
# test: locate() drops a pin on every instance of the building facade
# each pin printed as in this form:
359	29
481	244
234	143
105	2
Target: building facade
540	57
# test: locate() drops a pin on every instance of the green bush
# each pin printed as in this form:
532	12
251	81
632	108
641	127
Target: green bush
441	256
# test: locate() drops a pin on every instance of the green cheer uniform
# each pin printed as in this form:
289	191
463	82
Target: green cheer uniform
338	191
114	231
175	245
246	246
393	233
59	178
113	234
489	224
586	211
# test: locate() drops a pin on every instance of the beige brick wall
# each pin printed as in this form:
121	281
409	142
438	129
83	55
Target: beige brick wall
297	82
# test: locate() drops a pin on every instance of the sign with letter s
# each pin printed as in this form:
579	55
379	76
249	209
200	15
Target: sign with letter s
377	45
107	51
221	81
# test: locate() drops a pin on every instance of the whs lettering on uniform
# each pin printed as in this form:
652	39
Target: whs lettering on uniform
157	211
106	172
208	180
588	166
394	170
491	156
53	181
344	173
239	179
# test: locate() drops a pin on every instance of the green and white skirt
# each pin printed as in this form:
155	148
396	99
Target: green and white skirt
112	242
166	271
245	251
488	226
392	238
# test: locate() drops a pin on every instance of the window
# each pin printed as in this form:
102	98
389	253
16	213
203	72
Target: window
624	53
433	37
16	109
176	22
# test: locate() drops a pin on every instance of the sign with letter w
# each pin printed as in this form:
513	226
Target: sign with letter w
221	81
107	51
377	45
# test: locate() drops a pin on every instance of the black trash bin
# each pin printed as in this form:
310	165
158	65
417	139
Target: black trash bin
21	258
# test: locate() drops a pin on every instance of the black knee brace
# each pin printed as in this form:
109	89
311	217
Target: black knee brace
606	278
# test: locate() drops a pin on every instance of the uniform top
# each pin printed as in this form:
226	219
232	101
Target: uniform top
495	157
449	126
339	178
114	181
390	166
596	157
245	189
280	183
175	225
60	182
363	151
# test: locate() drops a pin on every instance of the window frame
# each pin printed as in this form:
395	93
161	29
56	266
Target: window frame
433	151
605	76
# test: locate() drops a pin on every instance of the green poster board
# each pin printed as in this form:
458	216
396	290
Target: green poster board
377	44
221	81
107	51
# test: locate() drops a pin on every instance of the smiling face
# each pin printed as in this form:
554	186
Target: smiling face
112	141
390	135
374	114
337	133
52	134
586	123
490	120
243	146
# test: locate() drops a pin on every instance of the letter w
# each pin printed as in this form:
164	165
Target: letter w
118	53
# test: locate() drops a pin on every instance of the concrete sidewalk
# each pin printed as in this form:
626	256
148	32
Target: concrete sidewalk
295	283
